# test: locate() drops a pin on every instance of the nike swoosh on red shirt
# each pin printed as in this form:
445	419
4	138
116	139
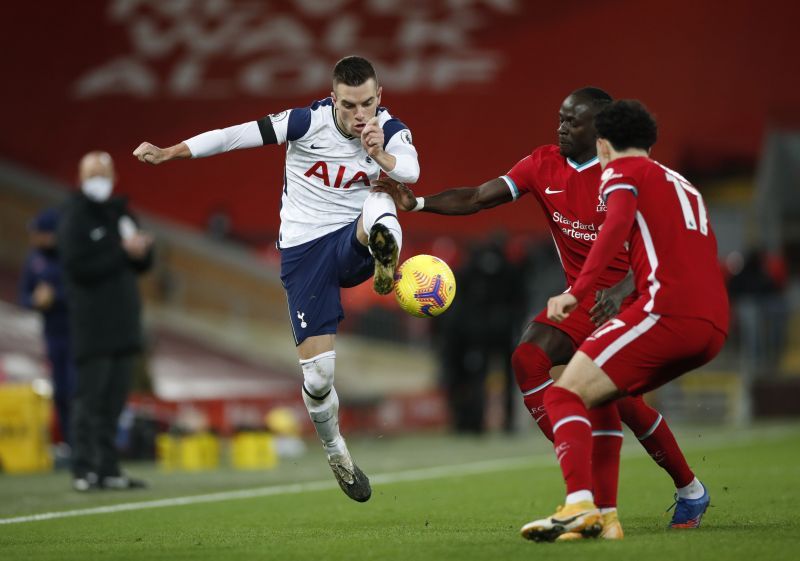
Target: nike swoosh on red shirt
551	192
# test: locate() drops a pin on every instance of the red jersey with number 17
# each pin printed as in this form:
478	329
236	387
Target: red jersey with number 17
673	250
567	193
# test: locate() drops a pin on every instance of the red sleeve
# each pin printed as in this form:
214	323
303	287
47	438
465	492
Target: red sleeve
615	230
615	178
522	177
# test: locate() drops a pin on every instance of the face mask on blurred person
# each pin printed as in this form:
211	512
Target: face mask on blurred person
98	188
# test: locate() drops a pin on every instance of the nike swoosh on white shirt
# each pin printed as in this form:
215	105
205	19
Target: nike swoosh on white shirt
551	192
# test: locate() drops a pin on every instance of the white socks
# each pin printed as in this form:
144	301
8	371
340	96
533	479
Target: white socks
379	207
693	490
579	496
325	415
322	402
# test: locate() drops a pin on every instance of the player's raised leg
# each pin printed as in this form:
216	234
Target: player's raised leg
380	231
691	497
322	404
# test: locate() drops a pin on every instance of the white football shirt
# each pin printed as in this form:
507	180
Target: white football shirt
327	173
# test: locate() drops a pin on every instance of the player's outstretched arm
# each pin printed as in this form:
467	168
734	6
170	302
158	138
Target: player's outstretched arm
247	135
151	154
458	201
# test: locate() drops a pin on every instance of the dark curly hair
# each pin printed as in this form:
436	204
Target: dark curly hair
353	71
626	123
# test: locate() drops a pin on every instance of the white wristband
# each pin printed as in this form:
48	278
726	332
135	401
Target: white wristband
420	204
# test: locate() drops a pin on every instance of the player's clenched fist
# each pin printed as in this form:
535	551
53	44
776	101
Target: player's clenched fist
150	154
372	137
559	307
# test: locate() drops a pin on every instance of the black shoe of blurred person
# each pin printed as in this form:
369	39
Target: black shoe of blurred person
122	482
86	482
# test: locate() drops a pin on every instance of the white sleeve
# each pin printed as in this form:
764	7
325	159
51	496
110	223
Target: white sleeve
292	124
218	141
406	168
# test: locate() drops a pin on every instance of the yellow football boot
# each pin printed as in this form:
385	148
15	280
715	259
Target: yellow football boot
612	529
385	252
582	518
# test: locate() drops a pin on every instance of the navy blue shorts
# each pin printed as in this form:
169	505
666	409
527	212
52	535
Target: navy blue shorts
313	273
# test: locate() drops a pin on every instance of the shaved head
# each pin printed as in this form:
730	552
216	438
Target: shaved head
595	97
96	163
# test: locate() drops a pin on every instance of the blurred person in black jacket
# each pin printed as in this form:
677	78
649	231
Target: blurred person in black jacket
479	327
102	251
758	296
42	289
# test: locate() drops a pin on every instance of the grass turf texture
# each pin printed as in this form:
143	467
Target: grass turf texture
753	475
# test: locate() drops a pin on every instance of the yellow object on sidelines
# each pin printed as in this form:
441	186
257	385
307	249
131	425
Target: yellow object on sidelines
193	452
282	421
25	429
254	450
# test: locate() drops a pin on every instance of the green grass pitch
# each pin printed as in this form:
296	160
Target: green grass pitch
471	508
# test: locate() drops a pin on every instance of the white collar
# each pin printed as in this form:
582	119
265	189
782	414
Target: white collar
585	165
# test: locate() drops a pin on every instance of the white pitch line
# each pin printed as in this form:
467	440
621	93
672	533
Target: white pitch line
436	472
293	488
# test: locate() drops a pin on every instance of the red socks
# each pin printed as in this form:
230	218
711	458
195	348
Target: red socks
532	369
587	443
573	437
606	444
656	437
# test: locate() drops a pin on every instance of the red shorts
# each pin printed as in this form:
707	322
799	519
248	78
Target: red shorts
641	351
578	325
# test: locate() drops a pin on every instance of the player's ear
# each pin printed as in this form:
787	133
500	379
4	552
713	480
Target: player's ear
603	150
378	95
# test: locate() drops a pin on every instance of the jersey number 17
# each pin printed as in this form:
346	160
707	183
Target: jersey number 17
682	188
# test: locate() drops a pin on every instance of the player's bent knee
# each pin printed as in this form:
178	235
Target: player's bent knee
375	206
556	344
318	374
584	378
385	200
532	367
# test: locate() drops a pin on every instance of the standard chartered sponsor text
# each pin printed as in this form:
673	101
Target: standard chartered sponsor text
575	228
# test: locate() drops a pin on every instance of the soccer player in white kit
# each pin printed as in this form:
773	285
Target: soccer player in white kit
334	232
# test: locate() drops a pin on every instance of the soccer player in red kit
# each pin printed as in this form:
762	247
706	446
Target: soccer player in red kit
563	179
678	323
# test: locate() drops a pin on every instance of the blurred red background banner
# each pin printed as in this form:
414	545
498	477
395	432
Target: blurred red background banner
479	82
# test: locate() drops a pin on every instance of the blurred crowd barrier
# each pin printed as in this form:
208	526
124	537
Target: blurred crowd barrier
25	418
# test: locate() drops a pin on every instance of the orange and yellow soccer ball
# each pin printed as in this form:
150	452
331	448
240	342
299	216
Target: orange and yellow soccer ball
424	286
